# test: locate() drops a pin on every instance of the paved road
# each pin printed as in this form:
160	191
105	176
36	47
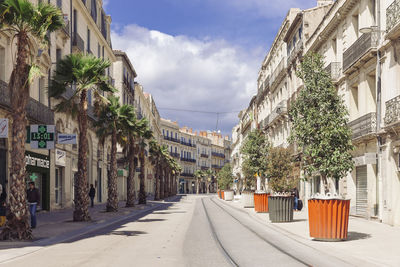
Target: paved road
196	231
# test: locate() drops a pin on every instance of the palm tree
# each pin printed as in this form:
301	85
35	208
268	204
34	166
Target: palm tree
28	24
209	173
163	171
145	134
199	176
83	73
114	120
155	158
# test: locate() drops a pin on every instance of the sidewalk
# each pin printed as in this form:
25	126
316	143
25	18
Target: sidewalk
57	226
368	241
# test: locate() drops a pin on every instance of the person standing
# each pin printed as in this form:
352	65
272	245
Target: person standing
33	201
3	206
92	193
296	197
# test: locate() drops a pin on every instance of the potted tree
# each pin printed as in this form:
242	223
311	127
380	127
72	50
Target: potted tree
280	180
225	180
319	126
254	150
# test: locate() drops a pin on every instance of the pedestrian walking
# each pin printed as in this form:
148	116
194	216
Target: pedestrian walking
92	193
33	201
3	206
295	194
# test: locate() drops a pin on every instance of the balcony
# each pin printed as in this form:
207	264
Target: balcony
393	20
175	155
278	73
334	70
216	154
362	50
392	114
78	43
185	174
363	126
65	31
204	155
280	110
298	49
35	110
188	160
188	144
204	168
216	166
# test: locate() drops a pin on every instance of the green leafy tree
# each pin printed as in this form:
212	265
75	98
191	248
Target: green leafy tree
248	175
113	121
83	73
225	177
255	149
319	123
27	24
279	170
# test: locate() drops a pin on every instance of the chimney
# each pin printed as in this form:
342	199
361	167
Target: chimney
324	2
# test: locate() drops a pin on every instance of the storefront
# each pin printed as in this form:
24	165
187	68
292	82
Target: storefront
38	171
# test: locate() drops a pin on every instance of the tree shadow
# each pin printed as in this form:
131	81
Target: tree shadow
127	233
351	236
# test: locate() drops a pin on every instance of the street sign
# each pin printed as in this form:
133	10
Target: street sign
42	136
66	139
3	128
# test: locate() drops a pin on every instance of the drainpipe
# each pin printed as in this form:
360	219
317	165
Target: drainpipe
379	189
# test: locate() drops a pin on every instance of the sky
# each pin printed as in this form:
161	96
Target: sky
200	56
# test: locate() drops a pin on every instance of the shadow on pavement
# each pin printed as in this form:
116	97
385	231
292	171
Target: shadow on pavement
151	220
127	233
351	236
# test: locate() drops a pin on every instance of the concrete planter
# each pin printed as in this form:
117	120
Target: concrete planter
228	195
248	199
328	219
280	208
261	202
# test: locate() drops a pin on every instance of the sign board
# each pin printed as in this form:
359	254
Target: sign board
66	139
367	158
42	136
3	128
37	161
61	157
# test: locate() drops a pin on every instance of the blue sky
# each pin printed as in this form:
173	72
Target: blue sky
198	54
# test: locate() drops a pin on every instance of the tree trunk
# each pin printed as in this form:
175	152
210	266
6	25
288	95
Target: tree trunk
198	186
162	179
166	187
130	194
208	184
325	182
112	201
17	224
156	185
142	193
81	198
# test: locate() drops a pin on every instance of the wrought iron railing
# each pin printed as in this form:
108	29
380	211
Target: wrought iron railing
216	154
66	28
392	15
78	42
184	174
34	110
175	155
281	108
204	155
334	69
359	48
392	114
296	50
216	166
364	125
204	168
278	72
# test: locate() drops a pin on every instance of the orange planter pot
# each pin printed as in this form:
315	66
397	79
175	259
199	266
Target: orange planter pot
328	219
219	193
222	194
261	202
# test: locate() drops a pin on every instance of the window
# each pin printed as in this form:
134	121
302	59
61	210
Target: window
93	10
59	4
163	133
88	41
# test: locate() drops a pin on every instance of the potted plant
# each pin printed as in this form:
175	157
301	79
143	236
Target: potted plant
281	182
255	149
225	180
319	127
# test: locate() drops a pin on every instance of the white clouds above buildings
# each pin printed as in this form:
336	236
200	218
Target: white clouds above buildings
187	73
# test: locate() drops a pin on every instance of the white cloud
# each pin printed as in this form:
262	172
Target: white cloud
188	73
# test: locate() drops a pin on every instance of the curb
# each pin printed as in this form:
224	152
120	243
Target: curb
48	242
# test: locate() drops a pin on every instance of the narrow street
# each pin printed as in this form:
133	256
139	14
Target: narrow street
195	231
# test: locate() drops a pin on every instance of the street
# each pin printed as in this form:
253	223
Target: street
193	231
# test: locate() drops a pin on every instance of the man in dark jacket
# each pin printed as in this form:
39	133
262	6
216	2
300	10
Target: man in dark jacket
295	194
92	193
33	201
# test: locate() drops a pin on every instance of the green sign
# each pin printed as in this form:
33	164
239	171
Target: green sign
42	136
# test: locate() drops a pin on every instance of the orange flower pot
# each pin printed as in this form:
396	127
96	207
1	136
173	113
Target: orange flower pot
261	202
328	219
222	194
